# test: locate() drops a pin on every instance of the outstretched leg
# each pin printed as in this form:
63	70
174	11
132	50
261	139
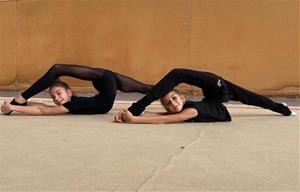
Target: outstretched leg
128	84
58	70
247	97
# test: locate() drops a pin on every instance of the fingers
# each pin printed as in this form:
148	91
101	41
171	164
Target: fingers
2	107
118	117
5	108
122	116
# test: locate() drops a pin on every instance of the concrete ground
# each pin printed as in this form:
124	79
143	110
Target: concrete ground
257	151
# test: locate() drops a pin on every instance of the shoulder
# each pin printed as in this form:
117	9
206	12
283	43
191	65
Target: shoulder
189	112
191	104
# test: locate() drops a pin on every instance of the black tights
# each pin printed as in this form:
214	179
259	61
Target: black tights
245	96
120	82
215	89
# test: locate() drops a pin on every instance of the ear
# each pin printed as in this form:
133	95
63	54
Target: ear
182	97
69	92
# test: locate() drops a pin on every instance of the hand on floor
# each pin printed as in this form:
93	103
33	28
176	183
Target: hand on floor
124	116
6	107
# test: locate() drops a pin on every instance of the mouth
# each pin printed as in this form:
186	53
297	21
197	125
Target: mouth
177	108
59	102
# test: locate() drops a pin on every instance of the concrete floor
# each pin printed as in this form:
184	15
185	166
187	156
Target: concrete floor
257	151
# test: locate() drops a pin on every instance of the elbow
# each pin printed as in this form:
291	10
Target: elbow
161	122
165	120
40	111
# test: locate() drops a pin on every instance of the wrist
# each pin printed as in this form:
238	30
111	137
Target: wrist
135	119
12	107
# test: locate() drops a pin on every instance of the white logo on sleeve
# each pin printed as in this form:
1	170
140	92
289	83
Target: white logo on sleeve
219	83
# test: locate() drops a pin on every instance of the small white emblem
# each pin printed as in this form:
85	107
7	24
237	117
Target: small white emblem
219	83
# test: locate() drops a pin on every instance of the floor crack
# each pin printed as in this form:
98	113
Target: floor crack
177	153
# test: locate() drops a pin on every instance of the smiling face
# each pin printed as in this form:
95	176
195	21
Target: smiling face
173	102
60	95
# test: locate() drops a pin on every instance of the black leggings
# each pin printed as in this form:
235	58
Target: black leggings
101	83
215	89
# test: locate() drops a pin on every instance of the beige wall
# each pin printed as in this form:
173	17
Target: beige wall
8	43
254	43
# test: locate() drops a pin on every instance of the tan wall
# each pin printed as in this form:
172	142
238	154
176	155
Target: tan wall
254	43
8	42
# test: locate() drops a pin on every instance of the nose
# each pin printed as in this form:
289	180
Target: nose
173	103
55	98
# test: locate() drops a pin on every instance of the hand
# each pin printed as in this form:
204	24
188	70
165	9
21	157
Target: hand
127	116
6	107
118	117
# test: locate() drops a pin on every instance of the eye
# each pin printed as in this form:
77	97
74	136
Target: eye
174	98
167	103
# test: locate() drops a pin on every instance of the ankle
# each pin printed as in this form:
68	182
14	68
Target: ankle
20	99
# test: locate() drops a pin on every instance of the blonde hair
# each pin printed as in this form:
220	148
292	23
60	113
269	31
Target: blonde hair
59	83
174	90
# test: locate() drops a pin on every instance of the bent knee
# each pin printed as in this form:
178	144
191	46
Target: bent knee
176	71
56	68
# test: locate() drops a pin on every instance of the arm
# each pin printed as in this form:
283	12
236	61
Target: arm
158	119
36	104
149	113
35	109
118	116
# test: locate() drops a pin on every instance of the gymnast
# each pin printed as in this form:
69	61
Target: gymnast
104	81
216	90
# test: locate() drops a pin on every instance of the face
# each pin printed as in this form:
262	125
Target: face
173	102
60	95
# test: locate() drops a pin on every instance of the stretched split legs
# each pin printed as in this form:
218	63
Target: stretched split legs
215	89
105	84
123	83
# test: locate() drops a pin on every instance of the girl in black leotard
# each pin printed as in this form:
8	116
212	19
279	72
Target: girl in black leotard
104	81
215	89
